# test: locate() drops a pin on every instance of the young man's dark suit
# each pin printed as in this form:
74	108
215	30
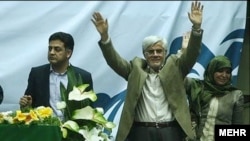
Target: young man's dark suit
38	83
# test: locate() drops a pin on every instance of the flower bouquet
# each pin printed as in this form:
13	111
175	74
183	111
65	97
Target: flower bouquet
39	116
82	121
81	118
29	124
92	129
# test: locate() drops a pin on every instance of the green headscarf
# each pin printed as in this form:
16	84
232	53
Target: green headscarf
210	87
203	90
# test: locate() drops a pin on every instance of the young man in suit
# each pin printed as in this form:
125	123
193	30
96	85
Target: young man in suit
44	81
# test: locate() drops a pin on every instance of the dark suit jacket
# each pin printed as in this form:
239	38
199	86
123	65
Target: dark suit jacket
1	94
171	76
38	83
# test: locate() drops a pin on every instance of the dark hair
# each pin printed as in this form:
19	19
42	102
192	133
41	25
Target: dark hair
66	38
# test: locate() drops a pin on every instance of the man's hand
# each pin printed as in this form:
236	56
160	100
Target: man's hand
25	101
196	14
101	25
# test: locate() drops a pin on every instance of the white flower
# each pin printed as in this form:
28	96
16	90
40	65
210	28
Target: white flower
61	105
88	113
92	135
71	125
9	119
79	94
84	113
7	116
7	113
100	110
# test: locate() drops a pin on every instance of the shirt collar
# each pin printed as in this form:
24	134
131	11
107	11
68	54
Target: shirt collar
52	71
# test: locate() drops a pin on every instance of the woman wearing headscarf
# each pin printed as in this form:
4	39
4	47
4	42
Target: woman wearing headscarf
214	100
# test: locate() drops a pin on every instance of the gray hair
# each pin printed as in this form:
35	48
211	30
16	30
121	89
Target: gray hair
151	40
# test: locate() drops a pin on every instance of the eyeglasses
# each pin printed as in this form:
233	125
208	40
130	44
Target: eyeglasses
153	52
